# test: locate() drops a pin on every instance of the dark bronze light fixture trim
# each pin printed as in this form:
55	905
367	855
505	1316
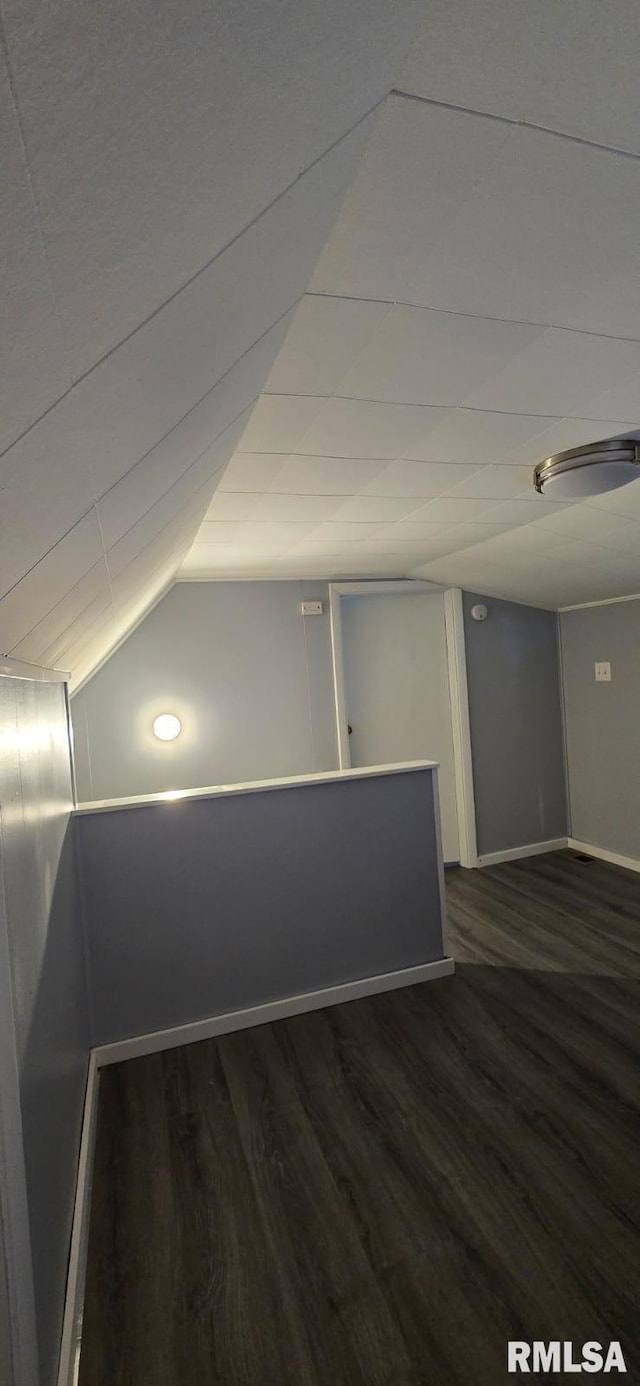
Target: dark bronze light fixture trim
590	470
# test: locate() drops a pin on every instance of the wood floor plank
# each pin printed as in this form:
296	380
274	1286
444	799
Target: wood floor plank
352	1335
384	1192
131	1274
224	1264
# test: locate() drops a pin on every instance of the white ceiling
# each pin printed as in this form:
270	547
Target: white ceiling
168	176
475	308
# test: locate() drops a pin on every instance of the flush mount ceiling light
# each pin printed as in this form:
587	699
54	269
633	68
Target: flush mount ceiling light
588	471
167	727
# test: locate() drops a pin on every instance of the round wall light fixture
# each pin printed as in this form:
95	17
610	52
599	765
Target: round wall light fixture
167	726
588	471
479	612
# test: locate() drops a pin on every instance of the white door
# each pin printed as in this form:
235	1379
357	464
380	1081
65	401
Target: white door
396	684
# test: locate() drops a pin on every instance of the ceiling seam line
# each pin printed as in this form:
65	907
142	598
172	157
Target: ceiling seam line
100	617
348	457
202	398
470	408
189	282
515	122
403	404
50	550
66	534
183	417
62	599
166	435
105	550
350	495
459	313
306	293
168	491
154	601
159	534
95	504
103	546
104	554
4	48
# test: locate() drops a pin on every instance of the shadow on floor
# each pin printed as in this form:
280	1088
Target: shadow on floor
379	1194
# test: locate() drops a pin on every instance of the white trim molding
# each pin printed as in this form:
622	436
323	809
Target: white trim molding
18	1350
603	854
172	1038
461	729
532	849
604	601
444	921
395	587
458	690
229	791
270	1011
19	669
74	1298
339	697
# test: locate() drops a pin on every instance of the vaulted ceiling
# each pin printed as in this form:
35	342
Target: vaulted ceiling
475	308
173	179
169	172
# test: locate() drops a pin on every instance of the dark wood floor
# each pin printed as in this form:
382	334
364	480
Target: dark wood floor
383	1193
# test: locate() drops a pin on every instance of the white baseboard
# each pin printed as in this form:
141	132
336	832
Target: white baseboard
272	1010
533	849
170	1039
74	1299
602	853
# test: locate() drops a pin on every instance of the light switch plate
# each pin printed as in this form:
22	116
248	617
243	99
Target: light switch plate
311	608
603	671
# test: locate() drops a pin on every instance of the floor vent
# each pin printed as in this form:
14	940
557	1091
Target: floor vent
582	856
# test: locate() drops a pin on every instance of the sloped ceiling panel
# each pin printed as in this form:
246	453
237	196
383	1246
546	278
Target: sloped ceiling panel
169	177
475	308
569	67
34	368
156	132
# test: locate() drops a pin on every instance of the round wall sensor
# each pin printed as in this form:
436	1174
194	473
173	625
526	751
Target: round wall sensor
167	726
479	612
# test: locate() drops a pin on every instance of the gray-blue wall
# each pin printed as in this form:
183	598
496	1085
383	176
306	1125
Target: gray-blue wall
6	1365
47	984
603	739
252	681
515	711
249	677
203	906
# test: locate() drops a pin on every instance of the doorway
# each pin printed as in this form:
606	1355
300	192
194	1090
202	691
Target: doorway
400	686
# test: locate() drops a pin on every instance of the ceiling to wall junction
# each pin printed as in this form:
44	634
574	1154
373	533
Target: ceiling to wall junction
173	180
169	174
476	307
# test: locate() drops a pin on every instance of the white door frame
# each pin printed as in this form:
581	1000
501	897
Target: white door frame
457	667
